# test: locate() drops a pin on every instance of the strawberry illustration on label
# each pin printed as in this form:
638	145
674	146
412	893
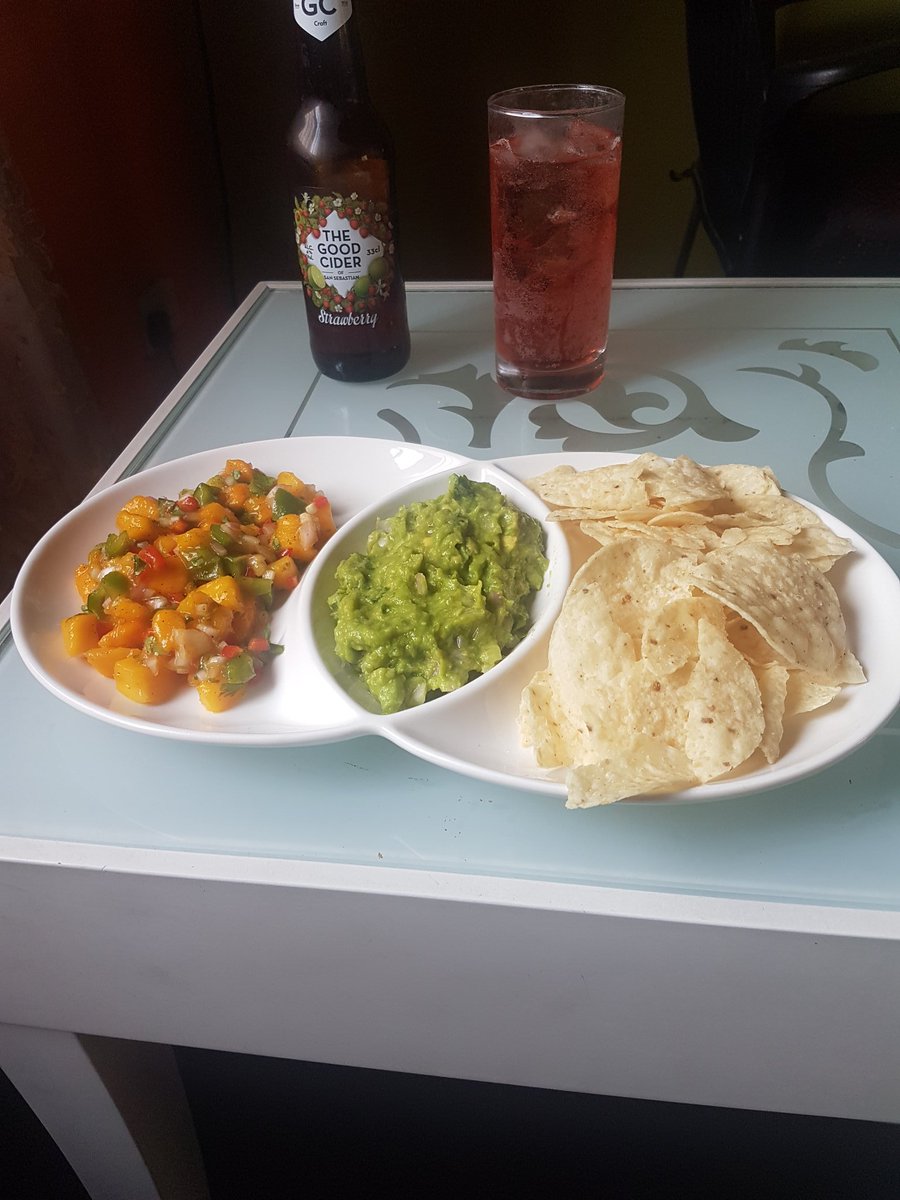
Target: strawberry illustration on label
346	251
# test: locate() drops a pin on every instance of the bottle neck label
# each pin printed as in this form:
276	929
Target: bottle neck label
347	256
322	18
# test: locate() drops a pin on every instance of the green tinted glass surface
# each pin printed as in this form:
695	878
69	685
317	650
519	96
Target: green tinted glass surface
804	379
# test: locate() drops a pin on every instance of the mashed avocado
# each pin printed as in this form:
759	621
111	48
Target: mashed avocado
442	592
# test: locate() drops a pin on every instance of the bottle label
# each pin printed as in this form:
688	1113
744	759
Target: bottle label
346	250
322	18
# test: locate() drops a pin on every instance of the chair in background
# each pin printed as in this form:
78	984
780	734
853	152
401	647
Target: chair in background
781	187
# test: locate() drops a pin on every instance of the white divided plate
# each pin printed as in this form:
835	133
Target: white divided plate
307	696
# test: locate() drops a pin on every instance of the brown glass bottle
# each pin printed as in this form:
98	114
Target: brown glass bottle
341	175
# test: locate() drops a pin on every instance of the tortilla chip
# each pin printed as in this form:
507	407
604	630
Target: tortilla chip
700	623
725	719
773	681
788	601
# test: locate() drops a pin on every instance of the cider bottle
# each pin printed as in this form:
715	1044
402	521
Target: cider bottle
341	176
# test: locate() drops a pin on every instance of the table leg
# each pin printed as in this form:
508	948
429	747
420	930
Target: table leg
116	1110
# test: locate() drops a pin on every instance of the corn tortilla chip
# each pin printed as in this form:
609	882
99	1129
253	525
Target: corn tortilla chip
805	694
788	601
670	635
698	625
634	769
725	719
773	682
609	488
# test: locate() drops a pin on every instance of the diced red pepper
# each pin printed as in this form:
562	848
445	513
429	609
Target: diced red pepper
320	501
258	645
152	556
231	651
188	503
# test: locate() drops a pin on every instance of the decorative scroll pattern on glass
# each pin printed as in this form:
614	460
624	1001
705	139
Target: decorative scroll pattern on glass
682	406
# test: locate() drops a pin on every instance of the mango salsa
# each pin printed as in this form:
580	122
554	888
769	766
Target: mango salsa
181	591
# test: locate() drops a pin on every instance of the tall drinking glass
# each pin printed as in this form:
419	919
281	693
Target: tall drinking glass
555	156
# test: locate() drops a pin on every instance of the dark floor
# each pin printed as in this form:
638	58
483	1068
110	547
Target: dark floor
275	1130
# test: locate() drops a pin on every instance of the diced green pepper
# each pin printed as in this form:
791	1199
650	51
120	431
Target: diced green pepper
283	503
94	602
116	544
260	483
239	670
234	564
221	535
255	587
202	563
115	583
205	493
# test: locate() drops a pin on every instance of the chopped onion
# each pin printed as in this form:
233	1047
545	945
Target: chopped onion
190	647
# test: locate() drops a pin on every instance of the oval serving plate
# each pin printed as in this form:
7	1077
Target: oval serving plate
307	697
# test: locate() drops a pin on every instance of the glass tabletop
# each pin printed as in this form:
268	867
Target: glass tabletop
802	377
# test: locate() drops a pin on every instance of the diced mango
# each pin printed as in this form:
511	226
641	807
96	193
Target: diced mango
84	581
225	591
196	605
170	543
235	495
259	508
298	533
165	622
138	682
171	579
324	517
291	483
286	575
238	467
123	563
200	608
144	506
215	698
138	518
213	514
126	633
122	609
80	633
104	658
138	528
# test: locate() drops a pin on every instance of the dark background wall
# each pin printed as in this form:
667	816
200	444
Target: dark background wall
142	196
141	193
431	68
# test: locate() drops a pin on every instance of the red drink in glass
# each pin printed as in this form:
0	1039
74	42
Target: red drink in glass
555	156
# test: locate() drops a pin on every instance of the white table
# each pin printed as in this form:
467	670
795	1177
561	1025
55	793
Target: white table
351	904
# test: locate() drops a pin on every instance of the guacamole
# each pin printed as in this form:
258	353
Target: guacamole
442	593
